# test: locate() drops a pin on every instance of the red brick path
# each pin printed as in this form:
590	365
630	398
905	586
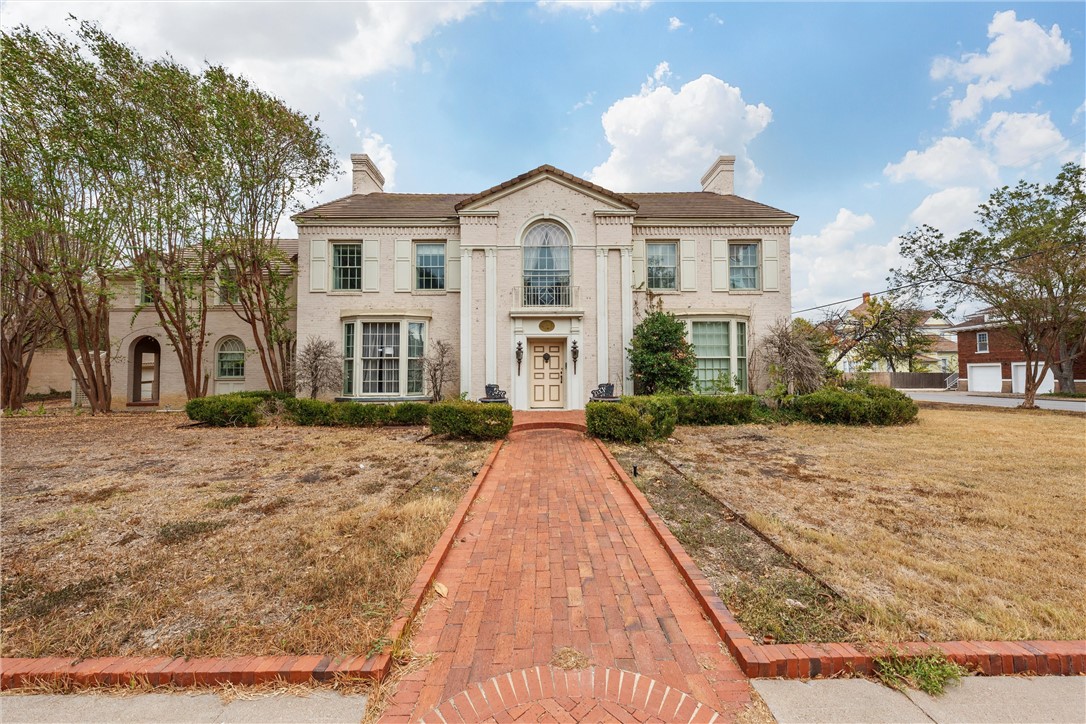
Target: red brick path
554	553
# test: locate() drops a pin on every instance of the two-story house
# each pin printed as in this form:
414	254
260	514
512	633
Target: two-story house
537	281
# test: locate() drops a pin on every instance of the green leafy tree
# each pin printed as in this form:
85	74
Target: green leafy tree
898	339
661	357
1027	262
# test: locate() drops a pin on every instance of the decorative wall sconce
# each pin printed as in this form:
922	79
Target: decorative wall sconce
520	356
575	353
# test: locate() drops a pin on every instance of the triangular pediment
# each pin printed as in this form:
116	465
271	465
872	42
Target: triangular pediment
544	173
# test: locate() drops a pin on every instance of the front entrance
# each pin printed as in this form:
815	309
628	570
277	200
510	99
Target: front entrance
143	369
548	374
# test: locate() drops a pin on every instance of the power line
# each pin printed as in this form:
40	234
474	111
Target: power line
934	281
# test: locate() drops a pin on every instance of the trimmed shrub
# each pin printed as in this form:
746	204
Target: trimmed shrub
657	411
870	405
715	409
304	411
224	410
470	420
616	421
360	414
890	406
410	413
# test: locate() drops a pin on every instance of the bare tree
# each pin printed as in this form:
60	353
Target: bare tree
319	366
789	351
28	323
439	366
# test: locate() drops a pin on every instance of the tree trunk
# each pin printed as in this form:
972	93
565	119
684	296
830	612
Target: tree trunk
1064	368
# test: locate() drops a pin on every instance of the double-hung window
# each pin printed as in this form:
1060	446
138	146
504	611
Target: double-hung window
347	267
429	266
383	358
228	285
721	349
661	258
743	266
147	292
982	342
231	359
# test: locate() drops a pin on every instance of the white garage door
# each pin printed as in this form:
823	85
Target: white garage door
985	378
1018	379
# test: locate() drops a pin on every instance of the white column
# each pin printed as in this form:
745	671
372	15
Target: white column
465	319
627	316
602	347
491	303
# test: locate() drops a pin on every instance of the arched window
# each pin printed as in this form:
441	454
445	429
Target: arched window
231	359
546	266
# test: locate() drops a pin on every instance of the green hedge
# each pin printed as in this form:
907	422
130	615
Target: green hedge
616	421
869	405
658	412
304	411
225	410
307	412
471	420
265	395
715	409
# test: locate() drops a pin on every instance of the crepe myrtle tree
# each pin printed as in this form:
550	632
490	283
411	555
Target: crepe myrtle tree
1026	260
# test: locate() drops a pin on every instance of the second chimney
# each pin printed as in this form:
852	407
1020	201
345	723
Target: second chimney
366	178
720	178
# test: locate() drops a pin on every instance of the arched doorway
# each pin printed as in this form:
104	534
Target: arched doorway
144	367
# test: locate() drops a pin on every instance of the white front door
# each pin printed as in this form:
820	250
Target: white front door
548	380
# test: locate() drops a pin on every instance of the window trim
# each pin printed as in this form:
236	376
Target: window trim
218	364
415	243
355	361
674	244
758	274
332	267
987	343
733	345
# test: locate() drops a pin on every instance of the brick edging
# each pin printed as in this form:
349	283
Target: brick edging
555	425
245	670
802	661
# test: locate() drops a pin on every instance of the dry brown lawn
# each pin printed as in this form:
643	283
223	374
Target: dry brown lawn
969	524
137	534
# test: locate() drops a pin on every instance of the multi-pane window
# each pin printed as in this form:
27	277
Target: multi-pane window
347	267
662	265
380	356
429	266
743	266
546	266
147	292
416	348
721	349
228	285
348	358
982	342
231	359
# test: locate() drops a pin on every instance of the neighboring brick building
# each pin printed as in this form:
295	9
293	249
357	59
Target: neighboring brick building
990	359
537	281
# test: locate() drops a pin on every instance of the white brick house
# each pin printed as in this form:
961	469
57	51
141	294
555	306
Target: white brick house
536	281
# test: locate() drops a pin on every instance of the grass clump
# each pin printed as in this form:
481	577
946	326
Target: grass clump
471	420
929	673
182	531
569	658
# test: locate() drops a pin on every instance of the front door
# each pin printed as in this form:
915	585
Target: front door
548	374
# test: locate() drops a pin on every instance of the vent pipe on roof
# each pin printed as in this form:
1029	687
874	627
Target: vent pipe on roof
720	178
366	178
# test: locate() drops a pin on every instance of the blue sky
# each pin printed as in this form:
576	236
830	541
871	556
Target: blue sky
862	118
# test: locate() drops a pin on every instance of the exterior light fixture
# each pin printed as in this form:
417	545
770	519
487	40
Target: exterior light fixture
575	353
520	356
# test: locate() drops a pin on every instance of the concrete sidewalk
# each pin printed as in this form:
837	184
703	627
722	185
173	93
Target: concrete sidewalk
320	707
992	700
983	400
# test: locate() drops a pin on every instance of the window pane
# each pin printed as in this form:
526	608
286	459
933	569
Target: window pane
711	345
546	266
743	266
415	350
380	357
231	359
228	286
429	266
741	356
347	266
348	358
661	260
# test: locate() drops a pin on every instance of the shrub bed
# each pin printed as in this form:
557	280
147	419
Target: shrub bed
471	420
869	405
634	419
306	412
715	409
225	410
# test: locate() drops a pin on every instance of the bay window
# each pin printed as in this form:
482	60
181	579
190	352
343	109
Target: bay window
721	349
383	358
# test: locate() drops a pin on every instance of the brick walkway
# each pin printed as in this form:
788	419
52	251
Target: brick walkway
554	553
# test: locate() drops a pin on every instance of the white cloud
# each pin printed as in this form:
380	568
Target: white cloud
950	160
839	261
952	210
1021	54
673	23
381	155
592	7
1022	139
1078	112
588	99
663	139
713	17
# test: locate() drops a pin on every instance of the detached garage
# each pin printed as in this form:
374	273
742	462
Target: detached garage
985	377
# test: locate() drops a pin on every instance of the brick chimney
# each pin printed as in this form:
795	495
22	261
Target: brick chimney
867	297
366	178
720	178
